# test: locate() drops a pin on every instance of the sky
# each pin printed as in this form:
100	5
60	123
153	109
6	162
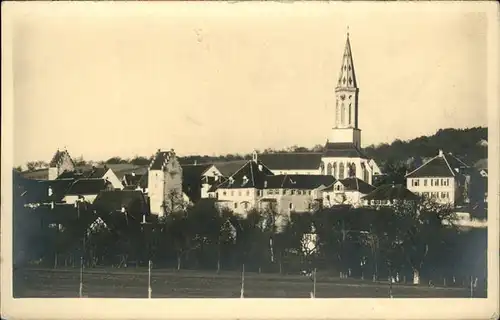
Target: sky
224	78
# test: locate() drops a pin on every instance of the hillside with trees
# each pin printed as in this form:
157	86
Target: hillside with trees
399	155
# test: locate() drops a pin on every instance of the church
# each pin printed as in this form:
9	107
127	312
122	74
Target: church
342	156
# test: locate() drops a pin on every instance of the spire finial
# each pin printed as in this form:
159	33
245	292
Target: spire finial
347	31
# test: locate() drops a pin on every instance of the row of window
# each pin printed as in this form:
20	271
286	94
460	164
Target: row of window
435	195
437	182
290	205
270	192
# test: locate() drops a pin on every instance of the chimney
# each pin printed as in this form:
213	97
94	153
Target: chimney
260	167
133	174
254	156
440	153
195	162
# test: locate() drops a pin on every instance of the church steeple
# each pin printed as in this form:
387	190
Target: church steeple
346	107
347	77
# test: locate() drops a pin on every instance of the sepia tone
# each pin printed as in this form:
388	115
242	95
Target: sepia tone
189	159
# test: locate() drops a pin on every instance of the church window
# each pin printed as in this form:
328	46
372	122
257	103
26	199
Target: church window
350	110
329	169
322	167
342	114
335	173
341	171
349	67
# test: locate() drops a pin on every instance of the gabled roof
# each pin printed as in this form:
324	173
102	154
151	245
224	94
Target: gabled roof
391	192
297	181
482	164
343	150
255	173
92	173
87	186
160	159
59	157
356	184
292	161
439	166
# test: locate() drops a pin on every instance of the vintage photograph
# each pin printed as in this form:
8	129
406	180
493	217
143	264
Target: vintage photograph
250	153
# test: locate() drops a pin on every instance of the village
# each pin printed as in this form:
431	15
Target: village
339	180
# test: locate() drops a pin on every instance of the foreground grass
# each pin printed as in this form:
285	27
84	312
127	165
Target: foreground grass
167	283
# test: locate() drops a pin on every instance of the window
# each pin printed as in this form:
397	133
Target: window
432	183
309	206
341	171
290	206
224	193
258	193
299	192
425	182
415	182
292	192
235	205
310	192
426	194
248	192
335	173
436	182
246	205
283	191
239	193
444	195
329	169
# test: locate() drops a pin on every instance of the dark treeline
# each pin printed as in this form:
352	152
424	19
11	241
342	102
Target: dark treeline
408	240
461	142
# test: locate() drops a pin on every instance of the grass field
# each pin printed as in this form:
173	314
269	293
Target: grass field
133	283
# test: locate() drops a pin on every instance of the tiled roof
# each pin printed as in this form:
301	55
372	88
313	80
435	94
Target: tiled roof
87	186
230	167
255	173
391	192
291	161
110	201
298	181
436	167
343	150
92	173
160	159
40	174
37	191
356	184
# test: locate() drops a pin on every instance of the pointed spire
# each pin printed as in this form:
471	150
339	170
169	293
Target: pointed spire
347	77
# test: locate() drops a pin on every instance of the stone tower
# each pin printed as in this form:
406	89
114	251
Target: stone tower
346	107
165	183
61	162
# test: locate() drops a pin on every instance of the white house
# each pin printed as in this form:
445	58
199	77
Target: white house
346	191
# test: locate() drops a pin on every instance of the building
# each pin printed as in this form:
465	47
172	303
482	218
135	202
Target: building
61	162
346	191
103	173
342	156
255	186
444	178
165	183
388	194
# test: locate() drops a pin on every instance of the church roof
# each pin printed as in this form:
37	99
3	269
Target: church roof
343	150
347	76
292	161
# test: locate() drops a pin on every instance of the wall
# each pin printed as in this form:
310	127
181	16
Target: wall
345	161
238	197
113	179
422	188
347	135
71	199
294	171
